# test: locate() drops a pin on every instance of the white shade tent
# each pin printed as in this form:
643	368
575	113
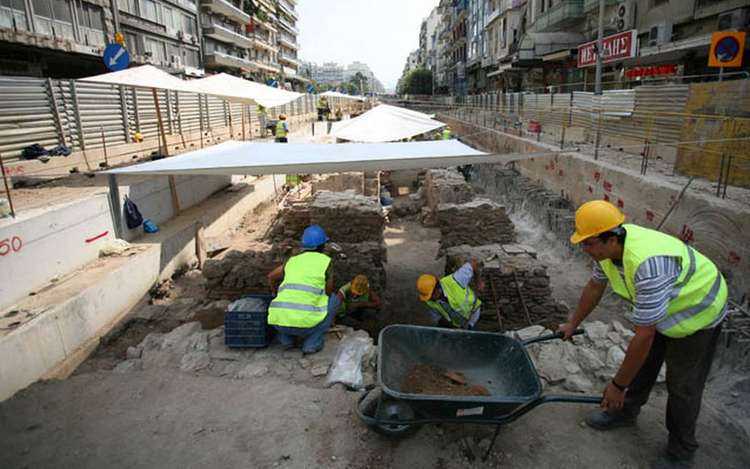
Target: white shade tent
385	123
144	76
233	157
336	94
235	88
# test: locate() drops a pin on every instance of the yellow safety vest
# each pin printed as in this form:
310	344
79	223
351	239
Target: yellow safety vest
280	130
302	300
461	302
446	134
702	291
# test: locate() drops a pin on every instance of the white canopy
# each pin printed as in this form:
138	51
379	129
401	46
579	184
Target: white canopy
385	123
235	88
336	94
233	157
145	76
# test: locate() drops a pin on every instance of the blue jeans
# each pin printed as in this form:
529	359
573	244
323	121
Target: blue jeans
314	336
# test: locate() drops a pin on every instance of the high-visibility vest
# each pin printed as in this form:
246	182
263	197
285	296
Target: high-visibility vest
302	300
702	290
446	134
462	302
280	130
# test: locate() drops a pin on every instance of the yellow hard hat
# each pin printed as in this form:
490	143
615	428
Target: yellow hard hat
425	286
282	116
594	218
360	285
138	137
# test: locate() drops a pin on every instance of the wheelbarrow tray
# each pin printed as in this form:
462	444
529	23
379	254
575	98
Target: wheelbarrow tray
499	363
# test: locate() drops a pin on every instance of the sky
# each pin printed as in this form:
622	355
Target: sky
380	33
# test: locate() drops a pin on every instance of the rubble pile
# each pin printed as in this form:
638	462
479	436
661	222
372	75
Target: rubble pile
446	186
235	273
587	363
476	223
516	286
517	192
338	182
194	350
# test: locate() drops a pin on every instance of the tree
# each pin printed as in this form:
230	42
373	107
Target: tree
359	81
416	81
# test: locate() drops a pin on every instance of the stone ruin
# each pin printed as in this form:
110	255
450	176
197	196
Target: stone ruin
352	221
443	186
517	291
338	182
550	208
475	223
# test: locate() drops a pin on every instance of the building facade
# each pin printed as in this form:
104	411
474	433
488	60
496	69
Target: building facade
514	45
66	38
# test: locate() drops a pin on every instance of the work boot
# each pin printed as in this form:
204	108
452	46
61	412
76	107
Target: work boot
609	419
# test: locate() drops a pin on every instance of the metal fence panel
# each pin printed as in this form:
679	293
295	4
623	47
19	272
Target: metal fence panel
26	115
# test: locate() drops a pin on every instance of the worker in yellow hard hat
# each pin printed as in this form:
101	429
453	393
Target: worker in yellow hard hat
357	300
282	129
452	301
679	300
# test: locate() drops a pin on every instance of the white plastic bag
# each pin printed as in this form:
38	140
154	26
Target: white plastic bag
347	365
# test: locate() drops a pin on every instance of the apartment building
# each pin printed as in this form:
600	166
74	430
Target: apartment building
66	38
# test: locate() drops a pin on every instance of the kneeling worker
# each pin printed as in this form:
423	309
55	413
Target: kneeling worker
451	300
304	305
357	300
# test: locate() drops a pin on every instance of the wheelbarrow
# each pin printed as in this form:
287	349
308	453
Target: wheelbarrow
499	363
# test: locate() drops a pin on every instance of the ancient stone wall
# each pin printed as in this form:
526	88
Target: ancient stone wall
516	286
474	223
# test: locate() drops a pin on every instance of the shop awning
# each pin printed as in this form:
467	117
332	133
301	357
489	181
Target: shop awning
235	157
385	123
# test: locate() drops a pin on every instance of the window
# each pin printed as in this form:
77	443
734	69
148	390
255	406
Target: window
171	20
656	3
156	49
188	25
53	18
91	24
132	43
13	15
150	10
129	6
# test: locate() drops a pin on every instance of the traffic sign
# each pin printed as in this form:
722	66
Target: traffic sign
116	57
310	89
727	48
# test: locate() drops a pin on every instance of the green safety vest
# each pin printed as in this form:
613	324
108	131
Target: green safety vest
461	302
302	300
349	298
280	130
261	109
446	134
702	291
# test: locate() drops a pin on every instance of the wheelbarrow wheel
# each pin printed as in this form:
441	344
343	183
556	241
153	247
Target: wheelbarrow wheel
391	409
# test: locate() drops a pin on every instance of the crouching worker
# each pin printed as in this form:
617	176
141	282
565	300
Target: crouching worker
451	299
304	305
356	301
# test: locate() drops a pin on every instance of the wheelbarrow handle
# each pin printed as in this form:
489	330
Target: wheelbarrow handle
556	335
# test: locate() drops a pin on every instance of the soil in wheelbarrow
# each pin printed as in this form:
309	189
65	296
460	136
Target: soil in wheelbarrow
426	379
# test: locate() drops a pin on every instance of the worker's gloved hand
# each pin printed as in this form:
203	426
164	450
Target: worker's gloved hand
567	330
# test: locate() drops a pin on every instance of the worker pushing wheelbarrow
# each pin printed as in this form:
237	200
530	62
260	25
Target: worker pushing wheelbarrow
500	381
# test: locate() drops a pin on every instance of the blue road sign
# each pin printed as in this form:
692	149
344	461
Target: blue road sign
116	57
310	89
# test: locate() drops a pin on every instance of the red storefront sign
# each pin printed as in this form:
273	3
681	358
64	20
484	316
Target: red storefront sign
616	47
651	71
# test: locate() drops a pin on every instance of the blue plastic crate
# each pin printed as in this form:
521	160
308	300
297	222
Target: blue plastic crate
246	322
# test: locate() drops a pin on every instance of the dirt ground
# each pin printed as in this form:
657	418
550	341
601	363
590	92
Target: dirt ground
427	379
287	418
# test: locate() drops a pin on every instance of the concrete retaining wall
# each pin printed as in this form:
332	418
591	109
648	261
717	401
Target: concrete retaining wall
716	227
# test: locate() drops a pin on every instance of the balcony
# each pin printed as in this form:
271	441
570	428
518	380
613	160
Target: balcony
220	59
288	42
493	16
267	24
560	16
589	5
261	43
289	59
267	66
220	33
288	26
223	7
289	71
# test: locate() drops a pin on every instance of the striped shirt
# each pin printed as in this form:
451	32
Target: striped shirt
654	288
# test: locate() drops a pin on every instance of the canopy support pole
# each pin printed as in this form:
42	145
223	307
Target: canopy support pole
114	200
165	152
